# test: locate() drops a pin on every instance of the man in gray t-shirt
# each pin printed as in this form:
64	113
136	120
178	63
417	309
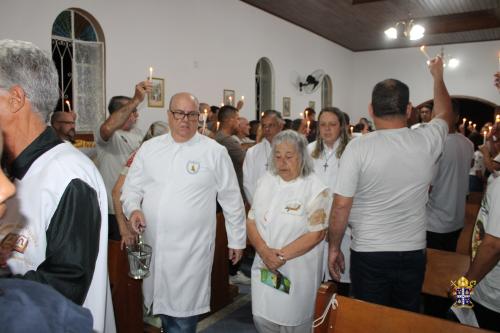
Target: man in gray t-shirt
381	191
116	139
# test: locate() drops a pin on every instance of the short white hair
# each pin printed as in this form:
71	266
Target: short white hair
300	143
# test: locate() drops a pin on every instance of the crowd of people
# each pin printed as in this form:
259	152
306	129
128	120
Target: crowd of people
326	200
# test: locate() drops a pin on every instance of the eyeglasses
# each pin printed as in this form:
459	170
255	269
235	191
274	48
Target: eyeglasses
179	115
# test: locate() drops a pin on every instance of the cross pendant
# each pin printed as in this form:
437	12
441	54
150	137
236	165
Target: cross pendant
325	165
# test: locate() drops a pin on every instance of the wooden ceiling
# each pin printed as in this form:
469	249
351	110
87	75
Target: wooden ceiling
359	25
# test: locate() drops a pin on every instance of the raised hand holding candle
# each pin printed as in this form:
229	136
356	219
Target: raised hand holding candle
150	73
422	49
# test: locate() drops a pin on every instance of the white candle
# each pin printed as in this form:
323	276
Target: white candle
422	49
484	138
242	98
230	99
205	115
68	104
301	115
262	114
308	123
150	73
470	123
464	120
352	129
218	123
474	125
306	113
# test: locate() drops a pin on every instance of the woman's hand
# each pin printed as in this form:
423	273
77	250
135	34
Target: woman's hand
271	258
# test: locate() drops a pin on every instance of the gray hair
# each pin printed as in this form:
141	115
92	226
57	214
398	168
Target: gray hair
155	129
300	143
26	65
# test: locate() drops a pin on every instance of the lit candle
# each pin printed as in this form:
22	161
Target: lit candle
474	125
218	124
150	73
306	114
470	123
497	118
484	138
221	104
301	115
422	49
68	104
490	128
230	99
464	120
205	115
308	123
242	97
262	114
351	129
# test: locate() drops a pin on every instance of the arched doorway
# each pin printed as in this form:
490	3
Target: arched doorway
477	110
264	86
78	53
326	91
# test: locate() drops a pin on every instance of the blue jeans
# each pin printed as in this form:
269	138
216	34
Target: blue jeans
388	278
179	324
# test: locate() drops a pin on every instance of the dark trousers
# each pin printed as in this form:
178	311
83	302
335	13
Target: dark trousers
113	230
486	318
388	278
446	241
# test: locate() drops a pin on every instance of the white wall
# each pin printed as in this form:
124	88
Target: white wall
473	77
196	45
206	46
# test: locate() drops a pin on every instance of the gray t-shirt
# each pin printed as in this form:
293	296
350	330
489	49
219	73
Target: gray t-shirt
112	155
450	185
388	173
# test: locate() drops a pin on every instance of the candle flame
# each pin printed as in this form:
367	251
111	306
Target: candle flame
242	98
68	104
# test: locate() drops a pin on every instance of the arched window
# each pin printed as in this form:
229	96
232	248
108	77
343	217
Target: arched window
264	86
326	92
78	53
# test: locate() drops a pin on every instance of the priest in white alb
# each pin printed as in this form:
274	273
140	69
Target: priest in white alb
257	157
170	192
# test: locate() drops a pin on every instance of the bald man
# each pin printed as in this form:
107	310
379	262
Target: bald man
170	192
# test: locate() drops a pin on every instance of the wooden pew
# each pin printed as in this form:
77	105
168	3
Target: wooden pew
125	291
442	268
356	316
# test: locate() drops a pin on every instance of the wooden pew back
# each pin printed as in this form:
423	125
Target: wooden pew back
356	316
442	268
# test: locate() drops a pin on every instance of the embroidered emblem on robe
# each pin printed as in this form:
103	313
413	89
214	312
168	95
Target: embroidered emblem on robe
193	167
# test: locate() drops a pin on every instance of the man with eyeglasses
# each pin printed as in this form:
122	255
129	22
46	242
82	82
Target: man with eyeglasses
64	125
257	157
115	140
170	194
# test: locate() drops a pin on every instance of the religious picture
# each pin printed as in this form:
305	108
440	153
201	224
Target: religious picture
228	97
312	104
156	98
286	107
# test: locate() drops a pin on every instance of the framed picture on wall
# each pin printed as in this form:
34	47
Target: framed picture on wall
228	97
286	106
312	104
156	98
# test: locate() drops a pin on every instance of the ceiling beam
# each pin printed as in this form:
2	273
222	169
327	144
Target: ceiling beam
478	20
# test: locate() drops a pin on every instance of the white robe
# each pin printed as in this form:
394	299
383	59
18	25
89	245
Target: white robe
37	197
255	166
283	211
329	176
178	184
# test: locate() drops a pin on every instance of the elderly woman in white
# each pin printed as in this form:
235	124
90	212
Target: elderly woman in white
326	151
286	225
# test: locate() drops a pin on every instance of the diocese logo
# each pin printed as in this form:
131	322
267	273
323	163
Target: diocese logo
462	290
193	167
